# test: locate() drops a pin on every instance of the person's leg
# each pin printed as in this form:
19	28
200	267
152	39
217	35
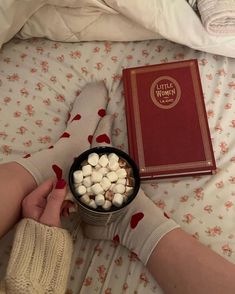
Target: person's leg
86	113
102	135
180	264
178	261
139	229
15	183
19	178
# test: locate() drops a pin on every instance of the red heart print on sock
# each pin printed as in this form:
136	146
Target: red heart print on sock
116	239
135	219
27	155
90	137
77	117
103	138
102	112
58	171
65	135
51	147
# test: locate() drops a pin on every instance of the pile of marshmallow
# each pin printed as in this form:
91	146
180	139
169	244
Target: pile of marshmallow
104	181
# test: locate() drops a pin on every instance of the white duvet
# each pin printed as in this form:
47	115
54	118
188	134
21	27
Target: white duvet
114	20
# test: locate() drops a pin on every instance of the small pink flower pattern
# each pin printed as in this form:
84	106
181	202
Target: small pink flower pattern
40	80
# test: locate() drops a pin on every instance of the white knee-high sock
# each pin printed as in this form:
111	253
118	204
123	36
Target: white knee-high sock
103	133
140	229
86	113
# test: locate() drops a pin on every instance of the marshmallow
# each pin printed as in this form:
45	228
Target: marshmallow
103	161
105	183
111	187
121	173
113	156
92	204
93	159
89	190
87	170
77	185
113	164
107	205
87	182
81	190
119	188
117	200
96	177
121	181
77	176
97	189
103	170
85	199
98	166
99	199
112	176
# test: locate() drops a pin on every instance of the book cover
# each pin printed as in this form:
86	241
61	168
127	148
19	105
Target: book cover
168	133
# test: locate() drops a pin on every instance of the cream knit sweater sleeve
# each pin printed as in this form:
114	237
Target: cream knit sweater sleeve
39	261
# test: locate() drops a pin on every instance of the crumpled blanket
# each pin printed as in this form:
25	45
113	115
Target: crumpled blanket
218	16
112	20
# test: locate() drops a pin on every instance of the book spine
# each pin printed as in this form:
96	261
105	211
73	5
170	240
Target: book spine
204	114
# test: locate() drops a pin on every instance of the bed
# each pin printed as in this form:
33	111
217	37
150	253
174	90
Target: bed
40	79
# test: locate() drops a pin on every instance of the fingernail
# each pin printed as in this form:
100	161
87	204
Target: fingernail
60	184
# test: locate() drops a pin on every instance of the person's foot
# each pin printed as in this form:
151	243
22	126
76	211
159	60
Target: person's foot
86	113
139	229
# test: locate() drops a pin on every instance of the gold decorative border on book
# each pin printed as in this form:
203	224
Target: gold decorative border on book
200	109
179	166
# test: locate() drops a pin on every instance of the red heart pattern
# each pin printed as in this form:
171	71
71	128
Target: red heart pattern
77	117
27	155
58	171
135	219
65	135
51	147
103	138
102	112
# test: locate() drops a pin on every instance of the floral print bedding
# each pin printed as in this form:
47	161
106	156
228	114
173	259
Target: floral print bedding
39	81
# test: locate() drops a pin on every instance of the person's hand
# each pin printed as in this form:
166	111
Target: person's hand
45	203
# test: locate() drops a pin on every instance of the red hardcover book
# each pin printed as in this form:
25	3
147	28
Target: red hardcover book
168	131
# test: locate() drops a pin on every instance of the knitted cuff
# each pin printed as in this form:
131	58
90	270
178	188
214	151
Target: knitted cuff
2	287
40	259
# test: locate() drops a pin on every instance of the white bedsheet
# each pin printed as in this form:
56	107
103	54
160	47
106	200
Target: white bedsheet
40	79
